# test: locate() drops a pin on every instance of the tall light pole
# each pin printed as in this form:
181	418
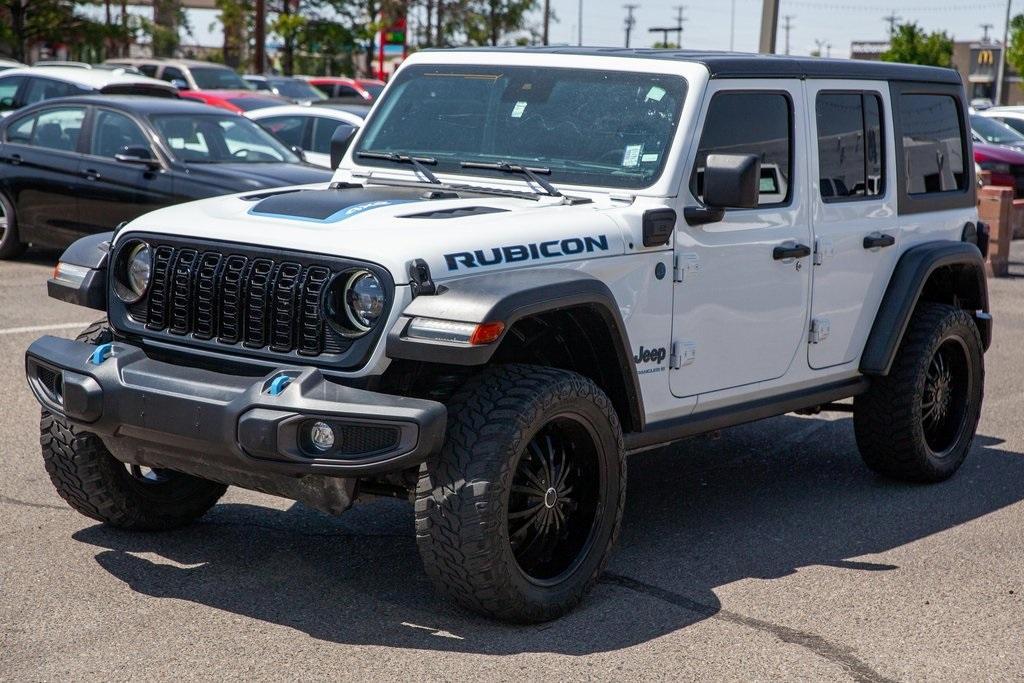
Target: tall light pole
1001	74
630	20
769	26
732	26
579	26
547	21
787	27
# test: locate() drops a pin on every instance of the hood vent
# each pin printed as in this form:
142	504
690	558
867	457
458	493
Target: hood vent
460	212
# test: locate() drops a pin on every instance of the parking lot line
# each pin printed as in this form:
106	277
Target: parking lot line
41	328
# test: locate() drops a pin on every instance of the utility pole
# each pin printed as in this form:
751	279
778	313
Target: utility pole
630	20
820	44
547	21
787	27
985	28
732	26
579	26
892	19
679	25
1001	74
664	31
828	50
769	26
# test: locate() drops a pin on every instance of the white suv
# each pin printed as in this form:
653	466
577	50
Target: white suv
531	264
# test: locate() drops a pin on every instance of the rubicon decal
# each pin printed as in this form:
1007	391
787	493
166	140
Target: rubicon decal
526	252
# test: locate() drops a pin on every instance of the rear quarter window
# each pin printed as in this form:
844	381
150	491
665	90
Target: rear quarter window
933	144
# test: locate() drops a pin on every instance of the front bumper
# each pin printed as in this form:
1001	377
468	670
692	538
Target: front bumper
157	414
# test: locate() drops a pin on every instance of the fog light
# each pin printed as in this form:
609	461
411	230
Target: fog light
321	436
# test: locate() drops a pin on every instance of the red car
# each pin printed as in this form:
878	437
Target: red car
234	100
339	87
1005	164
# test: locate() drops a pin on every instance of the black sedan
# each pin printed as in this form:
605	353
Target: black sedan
81	165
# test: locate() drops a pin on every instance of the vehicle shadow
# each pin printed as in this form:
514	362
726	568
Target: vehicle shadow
759	502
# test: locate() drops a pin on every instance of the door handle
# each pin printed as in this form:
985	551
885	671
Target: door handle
91	174
14	159
790	250
877	240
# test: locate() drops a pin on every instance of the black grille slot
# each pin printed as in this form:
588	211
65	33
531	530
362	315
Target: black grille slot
232	294
261	276
311	324
182	275
363	439
206	295
284	303
158	299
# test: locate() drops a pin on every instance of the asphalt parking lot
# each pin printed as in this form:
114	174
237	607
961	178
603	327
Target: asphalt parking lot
769	552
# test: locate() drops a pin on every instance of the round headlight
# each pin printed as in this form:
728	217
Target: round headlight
133	271
364	300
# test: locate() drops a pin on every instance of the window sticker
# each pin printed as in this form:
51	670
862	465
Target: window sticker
631	158
648	158
656	93
517	111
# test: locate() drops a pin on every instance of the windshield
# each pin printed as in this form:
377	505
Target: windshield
994	132
212	139
296	89
603	128
217	78
250	103
375	89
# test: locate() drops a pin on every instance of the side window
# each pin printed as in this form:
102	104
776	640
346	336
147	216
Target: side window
21	131
345	91
850	149
40	89
287	129
58	129
113	133
323	129
933	145
148	70
8	89
171	74
1016	124
259	85
731	127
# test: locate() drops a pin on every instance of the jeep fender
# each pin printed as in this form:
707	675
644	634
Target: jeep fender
508	297
906	286
89	252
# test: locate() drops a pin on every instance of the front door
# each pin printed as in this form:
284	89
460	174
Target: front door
118	191
741	304
853	193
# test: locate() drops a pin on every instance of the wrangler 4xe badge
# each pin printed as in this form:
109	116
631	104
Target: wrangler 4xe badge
656	356
526	252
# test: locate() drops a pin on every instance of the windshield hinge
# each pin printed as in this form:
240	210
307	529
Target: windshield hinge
420	280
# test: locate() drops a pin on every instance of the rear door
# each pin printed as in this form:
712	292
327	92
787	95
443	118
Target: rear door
117	190
40	171
853	195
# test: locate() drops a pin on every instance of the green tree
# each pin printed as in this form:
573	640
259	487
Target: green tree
236	17
488	22
911	45
1015	49
23	22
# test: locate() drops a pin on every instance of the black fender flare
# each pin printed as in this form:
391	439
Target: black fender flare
908	280
508	297
90	252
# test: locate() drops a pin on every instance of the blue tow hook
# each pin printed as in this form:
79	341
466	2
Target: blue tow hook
278	384
102	352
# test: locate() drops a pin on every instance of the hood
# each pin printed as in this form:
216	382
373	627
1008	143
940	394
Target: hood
251	176
393	226
1010	155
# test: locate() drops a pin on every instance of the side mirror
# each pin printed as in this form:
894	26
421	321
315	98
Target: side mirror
731	181
340	141
180	84
136	155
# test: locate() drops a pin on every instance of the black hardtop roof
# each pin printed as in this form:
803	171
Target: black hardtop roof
139	104
746	65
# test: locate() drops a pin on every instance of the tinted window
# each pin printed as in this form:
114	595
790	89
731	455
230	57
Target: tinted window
58	129
296	89
259	85
217	77
114	132
250	103
40	89
850	151
346	91
8	89
148	70
172	74
749	123
21	131
323	129
995	132
287	129
933	146
373	88
1016	124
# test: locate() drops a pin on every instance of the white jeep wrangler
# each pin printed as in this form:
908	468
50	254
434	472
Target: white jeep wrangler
531	264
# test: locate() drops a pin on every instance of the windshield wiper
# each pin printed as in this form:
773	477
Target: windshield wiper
506	167
417	162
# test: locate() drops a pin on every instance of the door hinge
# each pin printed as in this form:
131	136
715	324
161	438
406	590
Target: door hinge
823	248
683	353
820	328
685	265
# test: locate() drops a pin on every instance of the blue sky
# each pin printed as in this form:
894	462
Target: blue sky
707	21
